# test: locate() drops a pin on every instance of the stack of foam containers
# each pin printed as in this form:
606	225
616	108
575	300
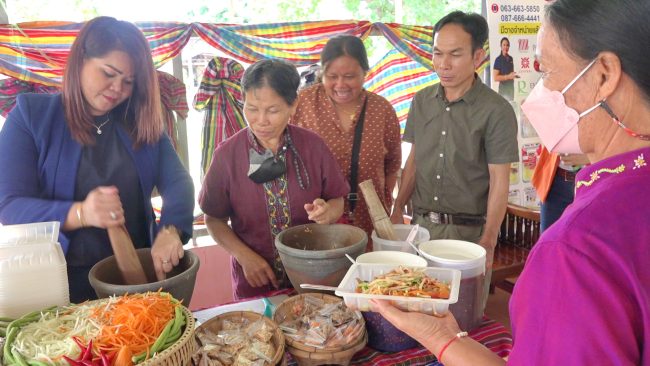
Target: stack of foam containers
33	272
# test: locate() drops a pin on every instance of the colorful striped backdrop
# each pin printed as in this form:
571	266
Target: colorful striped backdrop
35	52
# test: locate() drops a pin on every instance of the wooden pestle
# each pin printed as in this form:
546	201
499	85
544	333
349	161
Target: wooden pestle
380	220
127	259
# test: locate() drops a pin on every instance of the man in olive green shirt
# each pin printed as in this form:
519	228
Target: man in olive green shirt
464	137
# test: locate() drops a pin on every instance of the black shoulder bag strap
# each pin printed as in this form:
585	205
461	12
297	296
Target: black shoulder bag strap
353	196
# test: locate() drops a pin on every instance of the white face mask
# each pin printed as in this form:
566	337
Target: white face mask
555	122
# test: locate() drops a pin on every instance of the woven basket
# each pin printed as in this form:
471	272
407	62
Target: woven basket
283	312
306	358
180	353
215	324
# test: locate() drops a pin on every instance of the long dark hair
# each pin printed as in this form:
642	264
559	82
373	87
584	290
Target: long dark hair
142	110
587	27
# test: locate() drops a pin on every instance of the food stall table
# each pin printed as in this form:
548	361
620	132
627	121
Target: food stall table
491	334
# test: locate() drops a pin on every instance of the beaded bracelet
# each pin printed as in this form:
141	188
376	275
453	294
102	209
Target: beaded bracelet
459	335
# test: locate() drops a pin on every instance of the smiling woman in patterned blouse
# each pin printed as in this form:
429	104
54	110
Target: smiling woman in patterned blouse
333	109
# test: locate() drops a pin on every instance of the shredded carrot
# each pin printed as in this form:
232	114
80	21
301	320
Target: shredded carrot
135	321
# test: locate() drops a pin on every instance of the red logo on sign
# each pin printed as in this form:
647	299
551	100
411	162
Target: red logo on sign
495	8
523	44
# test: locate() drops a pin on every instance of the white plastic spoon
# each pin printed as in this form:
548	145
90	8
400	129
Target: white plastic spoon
323	287
411	237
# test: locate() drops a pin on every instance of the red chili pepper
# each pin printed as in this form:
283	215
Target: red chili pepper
72	362
88	352
104	359
85	355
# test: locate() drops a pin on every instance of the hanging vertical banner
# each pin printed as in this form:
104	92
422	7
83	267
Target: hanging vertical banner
513	39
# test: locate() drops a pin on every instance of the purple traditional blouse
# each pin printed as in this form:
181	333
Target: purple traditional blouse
256	210
584	295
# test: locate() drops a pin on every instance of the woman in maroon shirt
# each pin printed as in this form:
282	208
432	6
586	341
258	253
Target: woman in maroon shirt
266	178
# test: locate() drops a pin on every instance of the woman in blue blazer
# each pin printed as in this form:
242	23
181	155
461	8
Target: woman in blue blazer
91	156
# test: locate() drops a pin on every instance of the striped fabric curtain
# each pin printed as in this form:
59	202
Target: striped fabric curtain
220	96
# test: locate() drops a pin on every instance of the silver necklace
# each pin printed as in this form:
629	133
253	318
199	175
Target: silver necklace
99	128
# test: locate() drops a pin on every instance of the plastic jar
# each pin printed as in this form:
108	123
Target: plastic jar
469	258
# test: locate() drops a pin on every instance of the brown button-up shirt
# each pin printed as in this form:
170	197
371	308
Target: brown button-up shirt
380	153
454	143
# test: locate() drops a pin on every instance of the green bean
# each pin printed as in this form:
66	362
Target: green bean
179	321
37	363
18	358
163	337
156	345
8	356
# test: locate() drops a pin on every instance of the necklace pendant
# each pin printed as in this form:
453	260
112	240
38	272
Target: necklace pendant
99	132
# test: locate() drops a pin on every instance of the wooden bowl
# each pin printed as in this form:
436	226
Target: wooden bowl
215	324
306	358
283	312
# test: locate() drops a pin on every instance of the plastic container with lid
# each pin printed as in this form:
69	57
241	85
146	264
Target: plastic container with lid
368	272
382	335
402	231
33	272
469	258
392	257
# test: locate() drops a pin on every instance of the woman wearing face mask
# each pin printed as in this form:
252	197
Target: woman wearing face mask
91	156
266	178
342	112
582	298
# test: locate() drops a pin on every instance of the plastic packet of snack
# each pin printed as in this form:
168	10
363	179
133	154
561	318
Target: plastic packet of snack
291	327
229	324
315	336
336	338
260	330
263	350
313	303
232	336
352	330
328	309
241	360
206	337
341	316
225	358
322	325
233	349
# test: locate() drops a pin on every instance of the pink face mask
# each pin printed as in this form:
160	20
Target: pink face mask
555	122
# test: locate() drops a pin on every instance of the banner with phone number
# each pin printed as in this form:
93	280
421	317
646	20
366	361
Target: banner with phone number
514	71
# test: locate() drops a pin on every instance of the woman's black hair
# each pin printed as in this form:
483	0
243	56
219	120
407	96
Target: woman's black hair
588	27
474	24
504	39
279	75
345	45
